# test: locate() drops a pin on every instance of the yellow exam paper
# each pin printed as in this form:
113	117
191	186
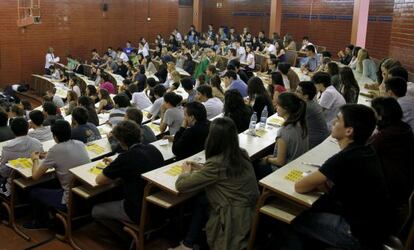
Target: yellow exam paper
174	170
95	148
97	169
294	175
21	163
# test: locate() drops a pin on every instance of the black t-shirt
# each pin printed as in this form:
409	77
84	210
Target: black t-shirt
359	192
190	141
129	166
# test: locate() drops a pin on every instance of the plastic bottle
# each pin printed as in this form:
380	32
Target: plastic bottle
252	125
263	118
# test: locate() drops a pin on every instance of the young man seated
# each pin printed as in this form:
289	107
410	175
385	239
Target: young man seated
214	106
63	156
396	87
121	104
40	132
330	100
193	131
128	166
346	56
57	100
188	86
50	111
311	62
232	82
20	147
5	132
82	130
354	213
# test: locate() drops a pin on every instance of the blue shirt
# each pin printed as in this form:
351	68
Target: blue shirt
240	86
311	63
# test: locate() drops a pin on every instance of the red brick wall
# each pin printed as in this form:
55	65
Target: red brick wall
238	13
402	34
379	28
76	26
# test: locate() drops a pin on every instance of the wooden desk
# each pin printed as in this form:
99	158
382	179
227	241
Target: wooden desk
280	185
180	91
98	149
155	127
104	129
85	174
182	72
103	118
165	148
41	84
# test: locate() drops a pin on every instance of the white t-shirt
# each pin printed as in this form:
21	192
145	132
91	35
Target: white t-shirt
155	108
140	100
214	107
50	60
143	51
123	57
286	82
250	61
241	54
271	49
331	100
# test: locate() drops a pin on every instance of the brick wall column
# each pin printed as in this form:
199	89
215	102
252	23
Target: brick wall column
360	23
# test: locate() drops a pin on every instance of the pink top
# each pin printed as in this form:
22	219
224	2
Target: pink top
279	88
108	86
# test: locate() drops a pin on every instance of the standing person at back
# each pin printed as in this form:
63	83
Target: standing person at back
356	202
315	120
330	99
20	147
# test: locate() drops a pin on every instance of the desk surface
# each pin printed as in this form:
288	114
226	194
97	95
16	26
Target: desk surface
87	173
98	148
278	181
165	148
61	89
166	176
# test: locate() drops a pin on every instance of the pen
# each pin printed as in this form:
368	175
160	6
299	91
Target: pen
311	164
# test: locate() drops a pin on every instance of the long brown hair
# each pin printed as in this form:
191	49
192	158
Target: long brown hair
296	108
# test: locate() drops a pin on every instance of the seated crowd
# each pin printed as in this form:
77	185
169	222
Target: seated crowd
366	184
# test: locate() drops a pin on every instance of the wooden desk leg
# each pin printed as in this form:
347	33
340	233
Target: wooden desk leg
142	223
263	197
12	219
67	220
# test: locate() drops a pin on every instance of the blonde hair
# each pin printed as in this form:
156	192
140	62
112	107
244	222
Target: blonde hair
171	66
362	55
175	76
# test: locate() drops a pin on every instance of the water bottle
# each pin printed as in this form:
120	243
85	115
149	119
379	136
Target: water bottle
252	125
263	118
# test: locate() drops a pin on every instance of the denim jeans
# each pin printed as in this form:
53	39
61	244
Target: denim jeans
329	228
198	221
46	197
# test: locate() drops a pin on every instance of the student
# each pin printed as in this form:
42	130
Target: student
121	55
277	87
305	43
137	159
215	83
213	105
173	114
330	99
107	85
311	61
117	114
82	130
16	111
50	112
88	103
50	60
231	82
188	87
149	66
250	60
63	156
280	51
236	109
365	65
396	87
140	100
57	100
354	59
74	86
155	108
20	147
193	131
40	132
272	64
284	69
105	101
346	56
333	70
383	69
403	73
5	131
240	51
228	181
269	49
394	144
27	107
357	212
135	115
259	98
315	121
72	99
92	93
348	86
292	138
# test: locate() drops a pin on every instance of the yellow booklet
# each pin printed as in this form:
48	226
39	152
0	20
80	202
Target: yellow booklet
154	127
97	169
277	120
95	148
294	175
21	163
174	170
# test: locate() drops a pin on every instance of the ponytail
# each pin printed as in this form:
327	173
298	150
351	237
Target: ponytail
296	108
